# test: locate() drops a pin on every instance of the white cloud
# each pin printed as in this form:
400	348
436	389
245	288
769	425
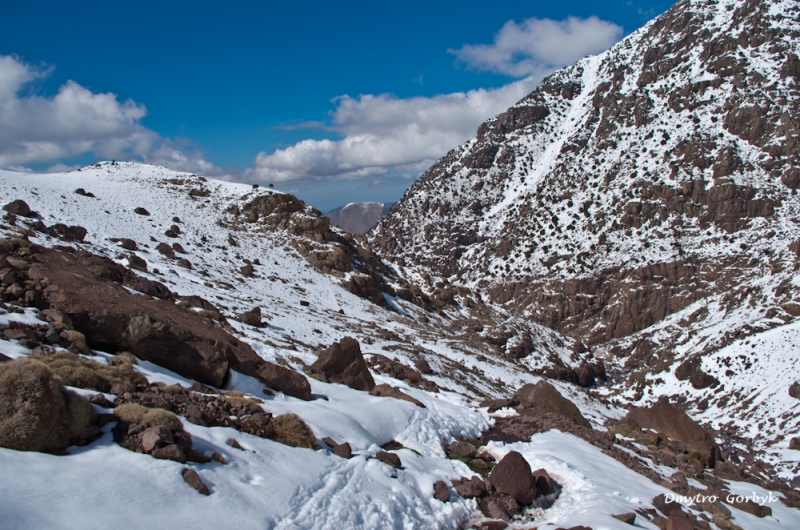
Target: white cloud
36	129
384	132
538	45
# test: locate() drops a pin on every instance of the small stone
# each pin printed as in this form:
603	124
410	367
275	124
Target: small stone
120	388
141	211
423	366
170	452
344	451
185	263
233	443
193	479
627	518
389	459
247	271
441	492
101	401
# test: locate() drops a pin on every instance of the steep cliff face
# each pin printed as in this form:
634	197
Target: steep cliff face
643	201
630	185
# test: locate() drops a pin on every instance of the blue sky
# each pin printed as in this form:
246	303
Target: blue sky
336	102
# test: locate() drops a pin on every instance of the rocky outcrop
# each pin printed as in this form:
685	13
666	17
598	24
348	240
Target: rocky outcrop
88	289
542	398
672	423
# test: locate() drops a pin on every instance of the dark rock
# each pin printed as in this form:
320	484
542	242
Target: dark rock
512	476
156	437
101	401
18	207
493	405
68	233
343	363
462	449
137	263
183	440
423	366
141	211
665	506
627	518
251	318
120	388
544	484
543	398
247	271
343	450
470	488
679	520
233	443
170	452
128	244
490	525
184	263
386	390
177	247
193	479
794	443
794	390
166	250
390	459
440	491
672	422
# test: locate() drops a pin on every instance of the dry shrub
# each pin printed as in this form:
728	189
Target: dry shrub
84	373
169	389
79	339
290	429
240	399
135	413
36	412
127	357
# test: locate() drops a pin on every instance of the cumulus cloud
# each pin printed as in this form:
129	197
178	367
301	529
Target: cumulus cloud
36	129
536	45
384	132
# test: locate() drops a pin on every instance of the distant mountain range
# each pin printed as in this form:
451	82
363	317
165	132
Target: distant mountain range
359	217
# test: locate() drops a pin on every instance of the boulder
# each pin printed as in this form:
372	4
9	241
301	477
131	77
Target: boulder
462	449
423	366
87	290
794	390
141	211
441	492
68	233
247	271
184	263
627	518
543	398
470	488
166	250
128	244
512	476
137	263
666	506
193	479
251	318
670	421
18	207
170	452
156	437
390	459
544	484
386	390
343	363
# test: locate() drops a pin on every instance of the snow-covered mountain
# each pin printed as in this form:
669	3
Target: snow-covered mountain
359	217
627	232
643	201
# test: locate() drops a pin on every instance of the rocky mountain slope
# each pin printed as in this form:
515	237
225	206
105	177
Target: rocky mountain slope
643	201
358	217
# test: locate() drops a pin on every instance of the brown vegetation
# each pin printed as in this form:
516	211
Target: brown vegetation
36	412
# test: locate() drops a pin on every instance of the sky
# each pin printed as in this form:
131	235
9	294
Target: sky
335	102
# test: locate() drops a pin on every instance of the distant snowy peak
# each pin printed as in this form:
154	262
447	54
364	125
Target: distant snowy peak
359	217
